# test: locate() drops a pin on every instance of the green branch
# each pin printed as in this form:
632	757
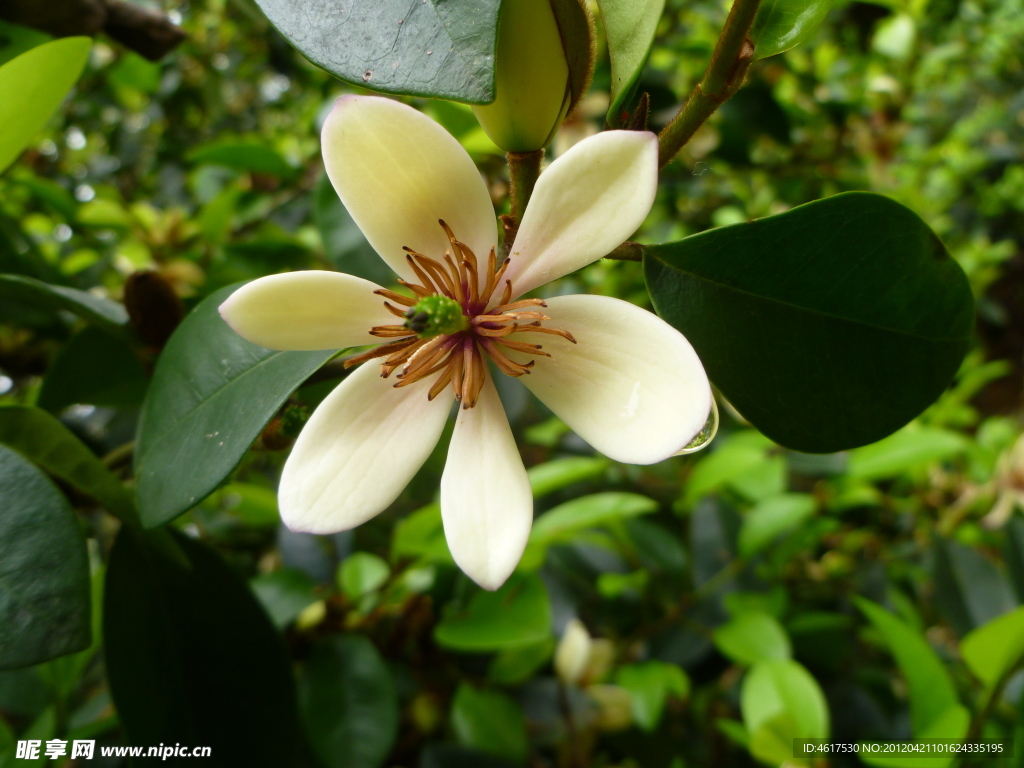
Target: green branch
733	55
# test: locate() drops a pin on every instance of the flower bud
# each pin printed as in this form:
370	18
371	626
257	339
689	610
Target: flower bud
573	652
531	78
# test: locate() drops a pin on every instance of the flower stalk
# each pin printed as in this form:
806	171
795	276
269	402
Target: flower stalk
734	53
523	171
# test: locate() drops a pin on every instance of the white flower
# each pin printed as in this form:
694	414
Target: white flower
620	377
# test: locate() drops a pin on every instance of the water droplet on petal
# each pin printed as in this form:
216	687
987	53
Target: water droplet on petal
706	434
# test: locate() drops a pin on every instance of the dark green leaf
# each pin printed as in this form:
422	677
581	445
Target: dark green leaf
44	579
969	590
829	326
37	294
94	367
40	437
784	24
211	395
350	703
34	84
489	721
773	517
630	26
347	248
1014	554
248	157
650	683
517	614
441	48
191	657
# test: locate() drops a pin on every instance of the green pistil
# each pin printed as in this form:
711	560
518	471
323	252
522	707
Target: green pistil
436	316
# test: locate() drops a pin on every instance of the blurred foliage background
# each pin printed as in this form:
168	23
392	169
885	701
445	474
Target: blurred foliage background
694	613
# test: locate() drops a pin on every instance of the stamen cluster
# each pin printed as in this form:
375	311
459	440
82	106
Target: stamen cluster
421	350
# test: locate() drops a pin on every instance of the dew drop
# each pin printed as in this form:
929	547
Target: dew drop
706	434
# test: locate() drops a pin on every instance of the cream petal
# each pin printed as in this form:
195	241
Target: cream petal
360	448
632	386
306	311
398	172
584	205
486	500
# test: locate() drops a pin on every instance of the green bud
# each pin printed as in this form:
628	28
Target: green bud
434	316
531	78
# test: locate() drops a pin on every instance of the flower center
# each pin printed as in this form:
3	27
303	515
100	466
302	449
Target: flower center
454	322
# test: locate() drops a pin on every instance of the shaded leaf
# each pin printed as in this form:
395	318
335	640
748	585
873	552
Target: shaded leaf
212	393
489	721
244	156
350	703
37	294
807	319
40	437
969	589
284	594
44	581
94	367
191	656
442	48
557	474
649	684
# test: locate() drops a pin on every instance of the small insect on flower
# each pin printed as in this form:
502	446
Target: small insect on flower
620	377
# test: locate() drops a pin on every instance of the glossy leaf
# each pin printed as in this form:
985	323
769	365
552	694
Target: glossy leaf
191	657
995	648
212	393
37	294
771	518
43	439
96	368
517	614
783	24
829	326
630	26
489	721
34	84
931	690
44	581
442	48
753	636
350	703
780	701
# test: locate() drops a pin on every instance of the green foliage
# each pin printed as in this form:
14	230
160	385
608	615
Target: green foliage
190	438
34	84
630	27
350	703
784	24
753	298
719	590
181	630
440	49
44	584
